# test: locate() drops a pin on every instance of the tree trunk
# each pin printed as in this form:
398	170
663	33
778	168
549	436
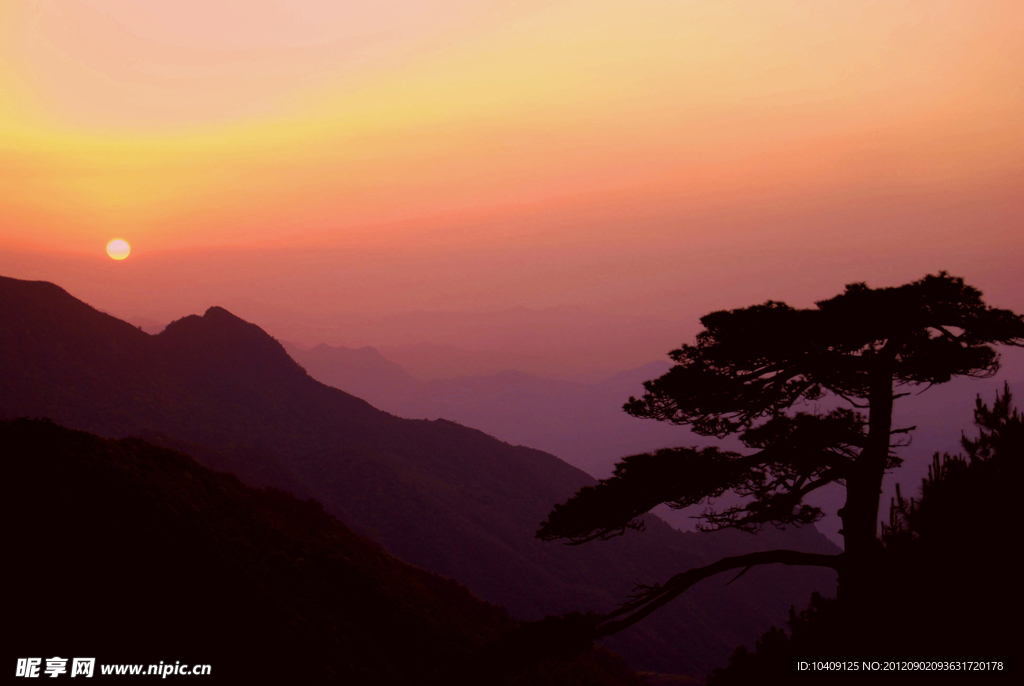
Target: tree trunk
864	490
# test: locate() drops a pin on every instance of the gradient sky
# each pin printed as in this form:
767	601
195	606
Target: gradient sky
329	169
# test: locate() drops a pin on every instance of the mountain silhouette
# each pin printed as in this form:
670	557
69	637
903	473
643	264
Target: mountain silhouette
581	423
363	372
439	495
136	554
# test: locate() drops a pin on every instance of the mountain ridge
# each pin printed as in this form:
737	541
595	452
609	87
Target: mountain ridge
439	495
581	423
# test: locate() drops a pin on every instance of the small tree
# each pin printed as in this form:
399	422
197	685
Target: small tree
746	375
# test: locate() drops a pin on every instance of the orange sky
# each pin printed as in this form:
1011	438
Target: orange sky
301	161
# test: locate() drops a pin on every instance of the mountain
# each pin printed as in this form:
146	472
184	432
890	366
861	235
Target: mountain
362	372
557	342
135	554
581	423
148	325
442	496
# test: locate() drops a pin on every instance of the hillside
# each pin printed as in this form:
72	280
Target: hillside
581	423
137	554
439	495
584	424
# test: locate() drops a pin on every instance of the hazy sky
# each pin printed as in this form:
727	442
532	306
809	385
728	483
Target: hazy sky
327	168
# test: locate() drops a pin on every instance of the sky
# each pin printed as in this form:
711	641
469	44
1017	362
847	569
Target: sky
565	181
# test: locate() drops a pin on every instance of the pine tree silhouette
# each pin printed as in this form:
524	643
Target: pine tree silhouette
747	371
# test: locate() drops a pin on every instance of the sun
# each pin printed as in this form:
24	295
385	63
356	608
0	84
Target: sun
118	249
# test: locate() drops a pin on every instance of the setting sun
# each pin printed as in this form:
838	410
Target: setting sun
118	249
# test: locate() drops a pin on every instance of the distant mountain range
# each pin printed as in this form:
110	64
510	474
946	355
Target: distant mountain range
557	342
582	423
442	496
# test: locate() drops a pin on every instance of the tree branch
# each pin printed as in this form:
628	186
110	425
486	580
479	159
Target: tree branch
824	479
847	398
948	334
653	597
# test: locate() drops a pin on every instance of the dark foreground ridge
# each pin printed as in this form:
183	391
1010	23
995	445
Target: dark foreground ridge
136	554
439	495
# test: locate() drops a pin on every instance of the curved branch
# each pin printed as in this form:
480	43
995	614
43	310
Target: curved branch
653	597
847	398
826	478
948	334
